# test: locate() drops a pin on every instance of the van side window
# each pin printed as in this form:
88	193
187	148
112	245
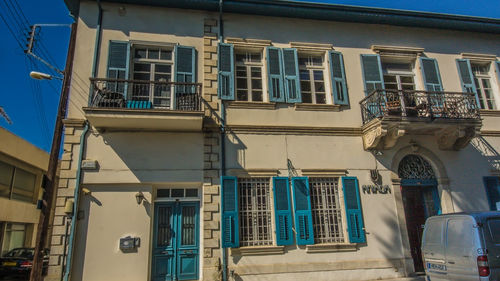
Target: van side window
494	228
433	234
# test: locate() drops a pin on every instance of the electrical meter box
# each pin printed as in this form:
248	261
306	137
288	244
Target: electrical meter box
129	244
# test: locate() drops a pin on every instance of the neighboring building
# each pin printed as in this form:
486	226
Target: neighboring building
305	141
22	166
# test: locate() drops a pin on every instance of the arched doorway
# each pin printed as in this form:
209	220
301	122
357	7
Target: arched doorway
420	200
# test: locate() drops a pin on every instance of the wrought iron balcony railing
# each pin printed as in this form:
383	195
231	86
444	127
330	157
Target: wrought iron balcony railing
138	94
419	104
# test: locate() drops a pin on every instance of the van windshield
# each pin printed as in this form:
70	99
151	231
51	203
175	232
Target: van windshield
494	228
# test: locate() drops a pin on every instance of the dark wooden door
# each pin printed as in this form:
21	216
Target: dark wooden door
415	219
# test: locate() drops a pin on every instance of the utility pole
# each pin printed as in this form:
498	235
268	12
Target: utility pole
50	186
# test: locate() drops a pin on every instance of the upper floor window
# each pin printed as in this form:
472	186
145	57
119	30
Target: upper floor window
249	76
483	85
312	79
398	76
16	183
291	78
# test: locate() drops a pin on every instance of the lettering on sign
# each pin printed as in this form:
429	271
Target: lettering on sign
376	188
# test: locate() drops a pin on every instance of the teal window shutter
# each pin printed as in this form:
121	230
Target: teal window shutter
291	75
303	214
430	74
185	64
497	66
355	225
226	71
339	85
493	192
118	65
372	73
282	211
275	77
230	225
467	79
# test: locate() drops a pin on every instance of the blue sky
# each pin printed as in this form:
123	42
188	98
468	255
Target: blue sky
32	104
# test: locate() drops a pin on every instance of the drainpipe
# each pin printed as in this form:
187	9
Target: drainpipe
222	144
97	46
71	239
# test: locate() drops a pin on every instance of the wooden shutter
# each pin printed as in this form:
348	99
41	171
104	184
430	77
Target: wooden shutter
372	73
497	66
492	191
291	75
282	211
339	85
185	64
430	74
230	226
118	65
303	214
355	225
226	71
274	72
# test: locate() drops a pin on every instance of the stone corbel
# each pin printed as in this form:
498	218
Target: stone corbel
373	136
392	137
455	138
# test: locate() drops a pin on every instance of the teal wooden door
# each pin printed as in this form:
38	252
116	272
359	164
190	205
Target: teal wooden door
176	241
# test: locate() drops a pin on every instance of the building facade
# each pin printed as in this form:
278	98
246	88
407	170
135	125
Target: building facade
22	167
271	140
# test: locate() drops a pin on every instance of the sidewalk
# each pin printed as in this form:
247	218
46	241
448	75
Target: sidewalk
416	278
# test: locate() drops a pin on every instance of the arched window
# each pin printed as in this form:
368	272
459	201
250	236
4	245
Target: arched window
415	167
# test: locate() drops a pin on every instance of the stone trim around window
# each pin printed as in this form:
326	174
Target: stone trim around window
303	46
328	248
317	107
479	58
245	173
258	250
251	104
248	43
489	112
324	172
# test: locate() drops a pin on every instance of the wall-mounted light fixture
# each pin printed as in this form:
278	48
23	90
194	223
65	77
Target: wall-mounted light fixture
139	197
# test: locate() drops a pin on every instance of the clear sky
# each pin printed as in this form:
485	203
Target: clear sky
32	105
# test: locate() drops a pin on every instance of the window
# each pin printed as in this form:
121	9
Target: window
255	212
177	193
16	183
15	235
312	81
247	211
249	76
326	212
152	64
483	86
398	76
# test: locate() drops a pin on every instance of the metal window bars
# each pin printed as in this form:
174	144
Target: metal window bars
255	212
326	210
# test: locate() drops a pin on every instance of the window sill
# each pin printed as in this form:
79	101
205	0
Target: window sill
488	112
327	248
316	107
251	105
258	250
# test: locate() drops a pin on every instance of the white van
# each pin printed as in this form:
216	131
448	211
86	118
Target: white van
462	246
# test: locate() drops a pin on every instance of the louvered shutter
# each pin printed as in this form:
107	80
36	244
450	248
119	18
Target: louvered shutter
118	65
493	192
230	226
355	225
282	211
430	74
185	64
226	71
291	75
303	215
497	66
339	85
372	73
275	77
467	78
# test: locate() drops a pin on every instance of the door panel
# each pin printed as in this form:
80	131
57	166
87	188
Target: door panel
415	218
176	246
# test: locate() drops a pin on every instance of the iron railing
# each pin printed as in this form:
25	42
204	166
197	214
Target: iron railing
139	94
418	104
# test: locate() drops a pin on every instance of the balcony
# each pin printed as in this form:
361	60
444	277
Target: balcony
453	118
118	104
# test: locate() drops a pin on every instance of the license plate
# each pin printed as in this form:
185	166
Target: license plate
436	267
9	263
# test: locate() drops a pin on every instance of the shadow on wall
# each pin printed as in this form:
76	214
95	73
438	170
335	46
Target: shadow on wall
488	151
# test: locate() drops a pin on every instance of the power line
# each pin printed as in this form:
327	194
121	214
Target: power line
11	31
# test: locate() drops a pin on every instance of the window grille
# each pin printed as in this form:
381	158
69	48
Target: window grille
326	212
255	212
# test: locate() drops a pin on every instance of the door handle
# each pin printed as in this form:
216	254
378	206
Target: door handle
451	262
188	252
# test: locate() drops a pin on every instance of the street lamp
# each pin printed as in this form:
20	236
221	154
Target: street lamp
43	76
